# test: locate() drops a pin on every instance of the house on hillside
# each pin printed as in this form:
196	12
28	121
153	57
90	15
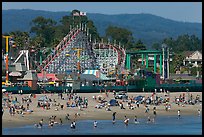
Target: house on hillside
193	57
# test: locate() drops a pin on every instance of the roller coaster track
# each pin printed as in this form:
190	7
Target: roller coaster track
59	48
74	38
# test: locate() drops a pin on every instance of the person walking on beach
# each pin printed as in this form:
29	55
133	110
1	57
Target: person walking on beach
67	117
2	111
27	105
72	125
60	121
179	116
95	124
41	123
10	111
148	119
154	111
126	121
199	112
51	123
147	109
135	120
114	93
113	117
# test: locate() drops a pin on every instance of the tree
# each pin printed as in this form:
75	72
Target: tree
44	28
139	45
120	34
156	46
37	41
171	43
93	30
77	20
176	63
21	38
184	43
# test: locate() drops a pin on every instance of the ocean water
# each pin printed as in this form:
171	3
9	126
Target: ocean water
163	125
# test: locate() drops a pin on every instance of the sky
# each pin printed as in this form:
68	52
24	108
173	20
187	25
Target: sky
179	11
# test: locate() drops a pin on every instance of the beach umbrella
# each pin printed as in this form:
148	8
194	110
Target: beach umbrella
43	98
138	98
113	102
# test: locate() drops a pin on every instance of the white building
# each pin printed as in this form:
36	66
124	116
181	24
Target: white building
194	58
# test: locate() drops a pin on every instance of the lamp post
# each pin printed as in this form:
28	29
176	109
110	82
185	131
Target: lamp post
7	68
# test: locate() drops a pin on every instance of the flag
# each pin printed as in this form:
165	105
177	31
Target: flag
82	13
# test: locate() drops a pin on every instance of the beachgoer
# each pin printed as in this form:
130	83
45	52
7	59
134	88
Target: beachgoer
154	112
161	90
95	124
76	114
51	123
62	106
60	121
121	107
67	117
72	125
27	105
153	120
114	117
198	112
114	93
147	109
126	121
166	107
41	123
10	111
2	111
61	95
138	105
136	121
148	120
179	114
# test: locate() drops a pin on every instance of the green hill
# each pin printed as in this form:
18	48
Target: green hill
149	28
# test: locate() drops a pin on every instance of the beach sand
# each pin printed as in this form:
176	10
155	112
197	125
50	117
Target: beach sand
91	113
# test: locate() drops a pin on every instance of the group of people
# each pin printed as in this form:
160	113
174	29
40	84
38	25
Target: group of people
126	120
52	119
187	99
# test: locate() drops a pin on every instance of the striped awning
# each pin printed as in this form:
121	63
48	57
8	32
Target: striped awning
94	72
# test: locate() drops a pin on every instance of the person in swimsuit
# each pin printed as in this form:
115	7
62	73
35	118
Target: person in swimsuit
179	115
114	117
95	124
126	121
136	121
